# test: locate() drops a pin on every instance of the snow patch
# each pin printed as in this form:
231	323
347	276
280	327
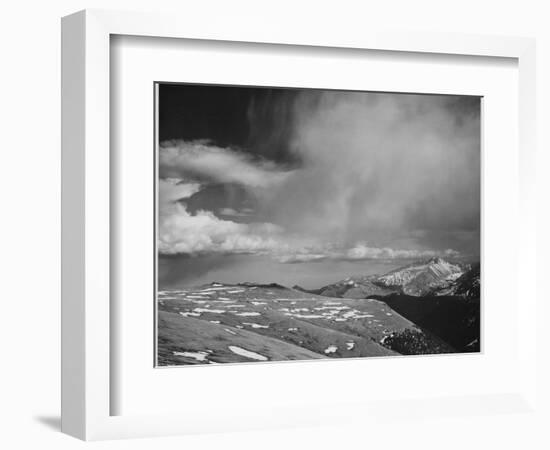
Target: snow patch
255	325
307	316
247	353
199	356
207	310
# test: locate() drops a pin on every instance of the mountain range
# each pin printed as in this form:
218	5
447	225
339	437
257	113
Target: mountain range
437	295
434	276
426	307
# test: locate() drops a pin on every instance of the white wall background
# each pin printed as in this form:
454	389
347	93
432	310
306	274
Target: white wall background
29	177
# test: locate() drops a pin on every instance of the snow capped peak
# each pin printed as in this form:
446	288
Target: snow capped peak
418	278
442	267
436	260
423	276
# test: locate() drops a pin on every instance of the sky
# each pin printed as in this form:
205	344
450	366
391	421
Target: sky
307	187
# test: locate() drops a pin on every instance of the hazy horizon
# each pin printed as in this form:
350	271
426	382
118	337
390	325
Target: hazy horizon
177	272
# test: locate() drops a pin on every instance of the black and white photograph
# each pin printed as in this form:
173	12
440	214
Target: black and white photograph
275	225
305	224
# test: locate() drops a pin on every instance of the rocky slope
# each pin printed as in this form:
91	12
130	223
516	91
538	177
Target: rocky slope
426	307
439	297
220	323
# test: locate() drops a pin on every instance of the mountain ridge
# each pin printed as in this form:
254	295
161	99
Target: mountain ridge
434	276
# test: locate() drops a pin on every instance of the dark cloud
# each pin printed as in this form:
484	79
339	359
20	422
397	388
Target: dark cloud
310	176
382	164
255	120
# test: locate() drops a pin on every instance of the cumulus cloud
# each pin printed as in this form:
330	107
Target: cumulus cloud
363	251
202	232
292	254
202	160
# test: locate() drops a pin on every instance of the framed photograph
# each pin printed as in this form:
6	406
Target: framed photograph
299	224
264	228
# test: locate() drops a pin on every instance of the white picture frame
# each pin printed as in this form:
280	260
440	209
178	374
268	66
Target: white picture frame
87	323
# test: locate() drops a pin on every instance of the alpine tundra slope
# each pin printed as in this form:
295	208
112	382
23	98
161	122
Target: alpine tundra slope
423	308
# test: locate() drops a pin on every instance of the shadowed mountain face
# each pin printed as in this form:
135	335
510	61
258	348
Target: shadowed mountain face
454	319
468	285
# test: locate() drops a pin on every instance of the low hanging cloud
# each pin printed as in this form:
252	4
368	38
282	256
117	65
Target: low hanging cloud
181	232
363	251
202	160
203	232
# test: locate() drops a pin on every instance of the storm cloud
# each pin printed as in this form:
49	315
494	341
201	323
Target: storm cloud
383	168
202	160
341	176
